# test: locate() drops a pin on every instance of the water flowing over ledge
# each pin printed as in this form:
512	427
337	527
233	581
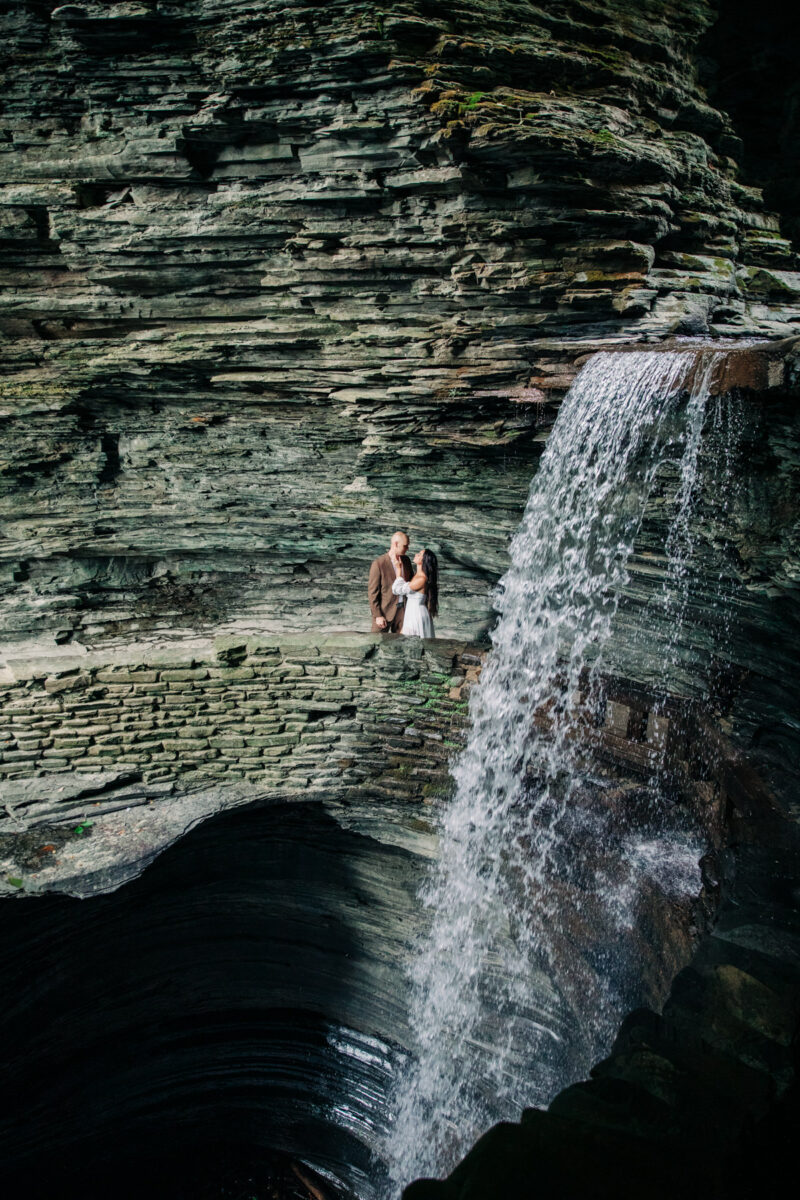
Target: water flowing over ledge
504	1011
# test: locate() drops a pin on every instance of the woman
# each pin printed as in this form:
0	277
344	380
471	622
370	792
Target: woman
422	595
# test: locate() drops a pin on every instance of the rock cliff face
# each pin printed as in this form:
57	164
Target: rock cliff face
248	993
281	277
723	628
278	279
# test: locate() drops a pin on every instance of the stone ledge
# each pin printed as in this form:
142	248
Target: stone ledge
210	651
326	711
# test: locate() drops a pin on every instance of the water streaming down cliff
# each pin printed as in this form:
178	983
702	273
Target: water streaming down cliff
510	1002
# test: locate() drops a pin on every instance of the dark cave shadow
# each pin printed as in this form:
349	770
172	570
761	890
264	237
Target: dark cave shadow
192	1007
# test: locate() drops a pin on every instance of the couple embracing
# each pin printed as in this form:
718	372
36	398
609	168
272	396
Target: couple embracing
404	600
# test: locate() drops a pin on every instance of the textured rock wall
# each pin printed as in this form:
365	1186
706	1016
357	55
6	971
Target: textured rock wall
723	627
338	715
279	278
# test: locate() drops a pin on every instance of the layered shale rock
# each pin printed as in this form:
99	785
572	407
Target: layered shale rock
279	278
248	993
718	623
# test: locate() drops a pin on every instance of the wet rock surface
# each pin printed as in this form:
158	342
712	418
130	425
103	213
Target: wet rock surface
270	272
728	634
245	994
690	1101
696	1097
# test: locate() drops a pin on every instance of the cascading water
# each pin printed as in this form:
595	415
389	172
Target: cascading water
504	1010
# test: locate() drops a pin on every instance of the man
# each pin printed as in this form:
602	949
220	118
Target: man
387	609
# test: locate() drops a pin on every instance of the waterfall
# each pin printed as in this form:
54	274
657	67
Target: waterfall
504	1010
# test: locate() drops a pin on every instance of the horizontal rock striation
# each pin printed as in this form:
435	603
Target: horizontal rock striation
278	279
720	624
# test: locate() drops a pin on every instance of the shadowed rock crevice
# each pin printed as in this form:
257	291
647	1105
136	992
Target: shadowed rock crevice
246	993
748	63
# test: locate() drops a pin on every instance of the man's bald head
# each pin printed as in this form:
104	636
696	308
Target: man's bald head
399	543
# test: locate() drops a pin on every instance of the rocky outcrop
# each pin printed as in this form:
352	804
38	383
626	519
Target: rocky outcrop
255	709
273	270
105	763
721	625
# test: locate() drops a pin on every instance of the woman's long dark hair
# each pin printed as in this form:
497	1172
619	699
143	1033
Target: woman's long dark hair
430	566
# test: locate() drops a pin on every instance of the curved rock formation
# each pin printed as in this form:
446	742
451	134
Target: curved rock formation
223	999
246	994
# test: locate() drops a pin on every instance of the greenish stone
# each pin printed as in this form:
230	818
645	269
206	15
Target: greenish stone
194	731
122	676
279	739
230	648
67	683
184	676
263	646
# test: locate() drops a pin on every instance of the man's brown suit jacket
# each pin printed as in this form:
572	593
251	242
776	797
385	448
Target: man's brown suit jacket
382	600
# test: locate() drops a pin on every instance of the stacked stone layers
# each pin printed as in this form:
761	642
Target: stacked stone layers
336	714
281	278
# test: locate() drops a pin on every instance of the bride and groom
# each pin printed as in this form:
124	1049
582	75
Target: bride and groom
403	600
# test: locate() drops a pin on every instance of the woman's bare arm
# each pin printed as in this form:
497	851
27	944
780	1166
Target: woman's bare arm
417	584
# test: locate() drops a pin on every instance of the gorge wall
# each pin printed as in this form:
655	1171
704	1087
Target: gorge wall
279	278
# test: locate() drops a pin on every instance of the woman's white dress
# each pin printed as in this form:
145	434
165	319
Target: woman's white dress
417	621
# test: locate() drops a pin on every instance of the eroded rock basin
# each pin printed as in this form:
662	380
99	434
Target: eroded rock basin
244	997
245	992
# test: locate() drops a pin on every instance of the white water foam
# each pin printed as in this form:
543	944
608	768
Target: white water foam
499	1022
